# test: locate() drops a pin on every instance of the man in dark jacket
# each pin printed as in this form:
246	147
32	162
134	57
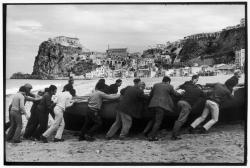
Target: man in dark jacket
193	94
33	120
126	109
113	89
105	87
70	84
219	95
42	111
160	102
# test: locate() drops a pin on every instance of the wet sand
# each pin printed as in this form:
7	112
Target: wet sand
224	144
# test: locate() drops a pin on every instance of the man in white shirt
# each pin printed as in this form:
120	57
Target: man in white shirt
63	101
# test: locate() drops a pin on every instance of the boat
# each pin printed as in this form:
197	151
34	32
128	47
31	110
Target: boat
232	110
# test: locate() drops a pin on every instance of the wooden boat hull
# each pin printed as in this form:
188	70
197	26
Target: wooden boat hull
231	110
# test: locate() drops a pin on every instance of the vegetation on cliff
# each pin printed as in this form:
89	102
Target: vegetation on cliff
222	49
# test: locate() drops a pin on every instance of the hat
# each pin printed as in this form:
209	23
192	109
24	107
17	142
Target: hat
237	71
28	86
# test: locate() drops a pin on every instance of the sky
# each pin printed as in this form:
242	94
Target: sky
127	26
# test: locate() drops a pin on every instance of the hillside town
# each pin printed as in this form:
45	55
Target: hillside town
119	62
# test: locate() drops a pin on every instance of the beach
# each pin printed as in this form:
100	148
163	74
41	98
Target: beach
224	143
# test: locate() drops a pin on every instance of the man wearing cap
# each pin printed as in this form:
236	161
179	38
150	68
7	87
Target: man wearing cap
113	89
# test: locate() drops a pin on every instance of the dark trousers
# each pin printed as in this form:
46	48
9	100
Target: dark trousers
159	115
43	118
15	126
31	125
185	108
92	118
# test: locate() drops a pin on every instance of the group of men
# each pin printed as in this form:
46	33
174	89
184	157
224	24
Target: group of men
159	101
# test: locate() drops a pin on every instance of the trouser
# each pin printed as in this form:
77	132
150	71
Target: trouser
159	115
7	125
43	118
122	120
183	116
91	117
58	124
31	125
210	107
15	126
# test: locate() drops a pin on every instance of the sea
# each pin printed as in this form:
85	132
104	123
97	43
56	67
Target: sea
84	87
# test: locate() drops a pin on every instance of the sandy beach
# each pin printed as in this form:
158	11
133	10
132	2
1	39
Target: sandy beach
224	144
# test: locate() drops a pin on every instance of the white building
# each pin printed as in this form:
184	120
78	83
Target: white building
240	58
195	70
242	22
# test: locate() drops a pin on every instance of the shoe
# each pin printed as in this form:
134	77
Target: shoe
123	138
153	139
202	130
58	140
81	138
43	139
76	134
89	138
17	141
33	139
174	138
108	138
191	130
142	136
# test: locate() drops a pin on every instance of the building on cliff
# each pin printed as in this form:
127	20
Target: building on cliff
117	52
203	36
66	41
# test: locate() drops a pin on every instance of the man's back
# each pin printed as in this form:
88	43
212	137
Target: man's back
62	99
220	93
129	101
17	102
113	89
192	92
161	96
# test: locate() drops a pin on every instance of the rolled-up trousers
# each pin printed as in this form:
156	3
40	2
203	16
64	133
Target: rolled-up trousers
58	124
210	107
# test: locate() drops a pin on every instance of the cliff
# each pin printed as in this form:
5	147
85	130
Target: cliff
221	49
56	59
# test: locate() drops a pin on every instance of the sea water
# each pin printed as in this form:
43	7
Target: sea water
84	87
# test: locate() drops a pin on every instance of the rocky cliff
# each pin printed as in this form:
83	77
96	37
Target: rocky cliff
56	60
220	49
